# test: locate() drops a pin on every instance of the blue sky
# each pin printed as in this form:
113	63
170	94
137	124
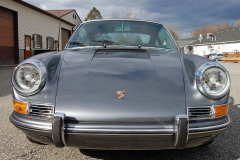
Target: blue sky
186	14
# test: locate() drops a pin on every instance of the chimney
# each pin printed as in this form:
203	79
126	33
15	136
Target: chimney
209	35
200	37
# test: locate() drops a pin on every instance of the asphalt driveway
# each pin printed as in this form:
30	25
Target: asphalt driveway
14	144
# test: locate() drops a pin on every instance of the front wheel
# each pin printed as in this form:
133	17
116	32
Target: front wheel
216	59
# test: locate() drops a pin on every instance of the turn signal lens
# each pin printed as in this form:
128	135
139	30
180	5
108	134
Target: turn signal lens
221	110
20	107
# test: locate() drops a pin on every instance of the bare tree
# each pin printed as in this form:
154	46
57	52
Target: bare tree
237	23
175	31
209	29
115	15
128	15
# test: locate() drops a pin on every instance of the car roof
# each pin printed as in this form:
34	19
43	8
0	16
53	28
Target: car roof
136	20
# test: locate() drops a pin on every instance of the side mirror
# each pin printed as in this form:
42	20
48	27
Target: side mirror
188	49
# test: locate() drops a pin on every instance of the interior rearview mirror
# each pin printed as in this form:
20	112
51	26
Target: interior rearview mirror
124	28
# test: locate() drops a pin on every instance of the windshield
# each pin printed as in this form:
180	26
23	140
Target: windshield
120	32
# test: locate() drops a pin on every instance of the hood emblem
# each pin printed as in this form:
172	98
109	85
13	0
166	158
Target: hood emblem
120	94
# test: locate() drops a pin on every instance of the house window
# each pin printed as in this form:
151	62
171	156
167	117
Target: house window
73	15
37	41
50	43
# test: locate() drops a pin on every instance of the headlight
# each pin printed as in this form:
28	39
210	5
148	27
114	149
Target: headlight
29	77
213	80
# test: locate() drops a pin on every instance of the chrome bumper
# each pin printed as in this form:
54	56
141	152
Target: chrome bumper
179	132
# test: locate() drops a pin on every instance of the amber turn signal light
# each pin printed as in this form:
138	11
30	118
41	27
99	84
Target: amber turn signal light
20	107
221	110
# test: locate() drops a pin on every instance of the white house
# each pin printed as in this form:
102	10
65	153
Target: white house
69	15
227	40
26	30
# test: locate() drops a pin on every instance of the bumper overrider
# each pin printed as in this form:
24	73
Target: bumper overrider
183	134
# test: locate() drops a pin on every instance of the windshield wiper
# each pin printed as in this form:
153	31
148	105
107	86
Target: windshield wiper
104	41
76	43
134	44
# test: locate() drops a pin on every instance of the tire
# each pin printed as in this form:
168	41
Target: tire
33	141
216	59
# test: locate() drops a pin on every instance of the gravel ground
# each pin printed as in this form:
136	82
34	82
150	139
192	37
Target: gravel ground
14	144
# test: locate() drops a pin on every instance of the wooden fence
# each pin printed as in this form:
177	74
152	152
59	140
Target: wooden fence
231	57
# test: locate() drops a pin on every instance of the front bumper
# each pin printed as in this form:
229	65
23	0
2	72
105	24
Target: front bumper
183	134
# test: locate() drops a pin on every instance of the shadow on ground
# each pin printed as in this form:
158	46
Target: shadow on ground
224	146
5	81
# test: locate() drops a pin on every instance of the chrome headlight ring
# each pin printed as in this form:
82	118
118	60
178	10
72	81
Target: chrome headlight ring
29	77
211	71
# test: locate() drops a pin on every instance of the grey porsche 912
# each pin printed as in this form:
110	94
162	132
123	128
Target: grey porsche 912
120	84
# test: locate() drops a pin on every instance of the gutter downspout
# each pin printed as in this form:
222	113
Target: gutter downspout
59	32
223	46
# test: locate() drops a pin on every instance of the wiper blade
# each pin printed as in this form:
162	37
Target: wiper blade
76	43
104	41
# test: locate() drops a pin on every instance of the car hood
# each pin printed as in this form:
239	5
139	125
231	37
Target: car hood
152	81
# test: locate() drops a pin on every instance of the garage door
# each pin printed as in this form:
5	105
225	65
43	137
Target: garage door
65	36
6	36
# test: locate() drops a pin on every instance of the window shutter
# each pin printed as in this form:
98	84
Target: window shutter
33	38
47	42
52	43
41	42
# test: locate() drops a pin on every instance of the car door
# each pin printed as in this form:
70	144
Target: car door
220	56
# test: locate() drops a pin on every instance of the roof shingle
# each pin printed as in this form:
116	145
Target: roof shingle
60	13
226	35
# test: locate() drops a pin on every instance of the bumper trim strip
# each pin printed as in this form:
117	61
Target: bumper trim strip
220	126
31	124
47	126
140	131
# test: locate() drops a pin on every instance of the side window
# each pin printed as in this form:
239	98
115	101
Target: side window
82	33
80	36
165	40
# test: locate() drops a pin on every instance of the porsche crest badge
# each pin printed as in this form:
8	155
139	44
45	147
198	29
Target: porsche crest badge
120	94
